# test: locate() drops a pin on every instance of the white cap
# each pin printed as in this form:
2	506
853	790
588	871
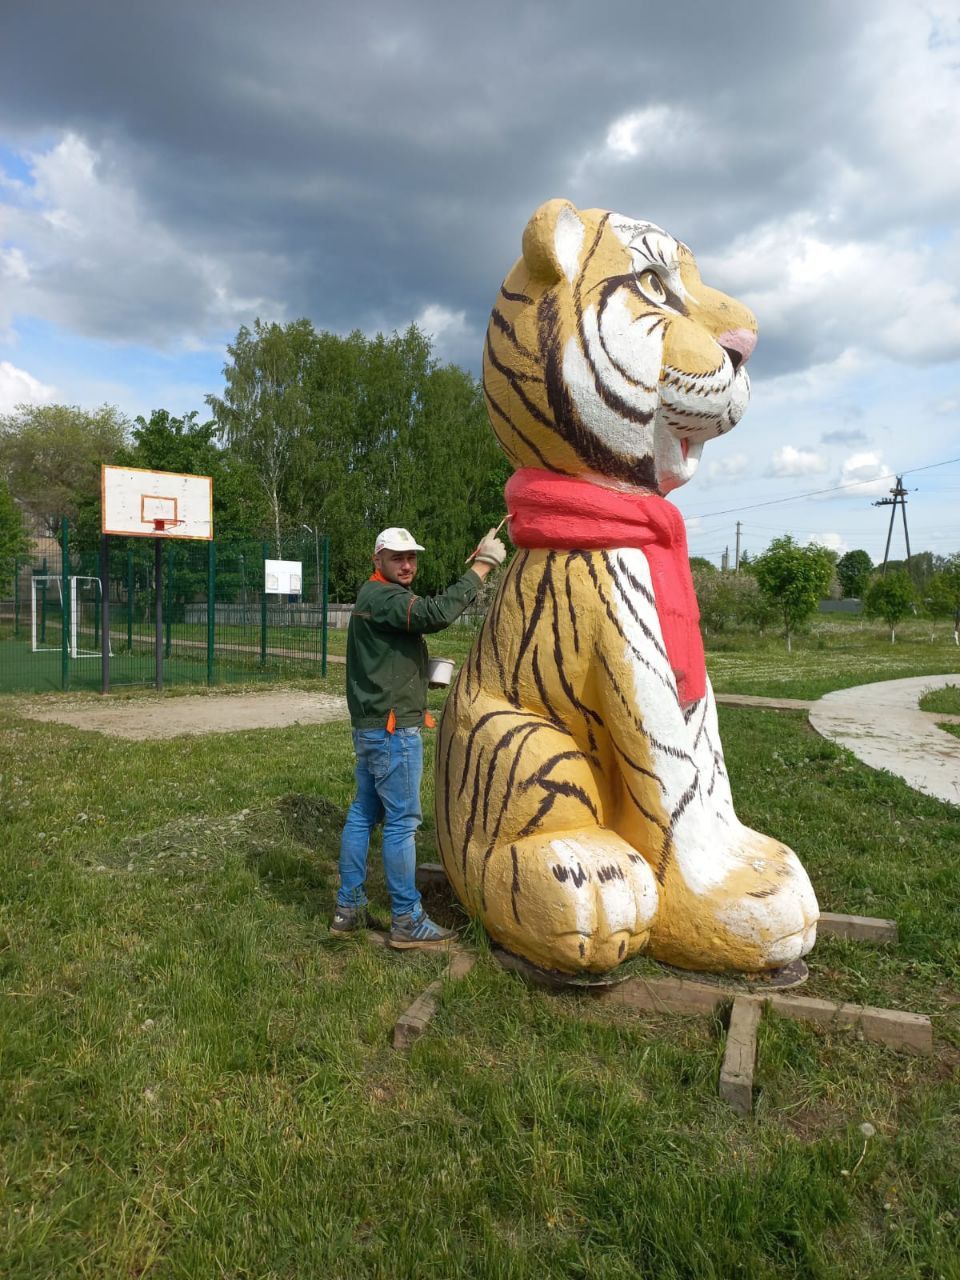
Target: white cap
396	540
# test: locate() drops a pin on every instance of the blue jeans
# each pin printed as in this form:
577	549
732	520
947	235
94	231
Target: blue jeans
389	769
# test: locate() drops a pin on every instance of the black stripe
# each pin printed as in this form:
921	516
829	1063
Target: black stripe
515	883
501	322
516	430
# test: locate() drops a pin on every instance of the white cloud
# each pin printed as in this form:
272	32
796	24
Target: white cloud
438	321
789	461
823	295
674	137
454	338
905	73
729	467
83	251
867	473
19	387
13	265
832	541
649	131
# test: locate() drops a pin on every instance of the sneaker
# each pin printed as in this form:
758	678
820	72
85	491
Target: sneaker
420	934
348	919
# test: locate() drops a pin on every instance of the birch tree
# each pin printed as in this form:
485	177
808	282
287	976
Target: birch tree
263	415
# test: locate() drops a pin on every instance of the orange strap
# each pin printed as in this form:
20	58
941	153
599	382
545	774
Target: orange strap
428	721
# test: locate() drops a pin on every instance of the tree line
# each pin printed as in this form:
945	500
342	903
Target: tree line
343	435
784	587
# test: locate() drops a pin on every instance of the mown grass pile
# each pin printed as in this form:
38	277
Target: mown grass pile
198	1080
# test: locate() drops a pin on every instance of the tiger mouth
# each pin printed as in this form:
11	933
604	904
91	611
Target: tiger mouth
736	357
684	449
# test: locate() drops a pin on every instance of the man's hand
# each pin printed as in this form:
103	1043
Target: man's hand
491	550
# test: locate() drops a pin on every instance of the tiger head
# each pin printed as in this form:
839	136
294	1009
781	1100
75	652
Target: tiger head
606	356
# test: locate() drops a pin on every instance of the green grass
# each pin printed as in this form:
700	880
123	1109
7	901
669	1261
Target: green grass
946	699
836	653
23	671
197	1078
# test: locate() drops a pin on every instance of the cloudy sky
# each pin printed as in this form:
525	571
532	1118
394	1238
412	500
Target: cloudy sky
171	171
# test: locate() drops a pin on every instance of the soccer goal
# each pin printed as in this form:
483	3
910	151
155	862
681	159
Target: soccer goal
85	594
85	601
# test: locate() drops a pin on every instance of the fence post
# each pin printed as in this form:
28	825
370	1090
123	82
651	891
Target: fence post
64	604
105	611
263	605
16	597
43	599
98	604
168	589
129	599
325	596
211	606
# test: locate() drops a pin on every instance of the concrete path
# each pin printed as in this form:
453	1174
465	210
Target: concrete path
883	726
752	700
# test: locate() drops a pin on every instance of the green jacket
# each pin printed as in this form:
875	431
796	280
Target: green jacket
386	652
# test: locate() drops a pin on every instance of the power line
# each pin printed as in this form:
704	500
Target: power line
815	493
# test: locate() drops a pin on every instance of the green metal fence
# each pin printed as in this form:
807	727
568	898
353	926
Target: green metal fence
219	622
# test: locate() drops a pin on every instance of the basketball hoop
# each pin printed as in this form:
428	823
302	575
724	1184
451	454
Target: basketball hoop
161	524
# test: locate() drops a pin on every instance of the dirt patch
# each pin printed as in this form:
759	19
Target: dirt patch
158	717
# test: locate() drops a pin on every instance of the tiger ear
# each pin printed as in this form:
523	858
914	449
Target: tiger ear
552	241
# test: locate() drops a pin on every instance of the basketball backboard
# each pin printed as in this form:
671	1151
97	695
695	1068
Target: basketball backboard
155	504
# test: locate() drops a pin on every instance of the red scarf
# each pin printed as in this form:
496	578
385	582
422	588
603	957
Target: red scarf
570	513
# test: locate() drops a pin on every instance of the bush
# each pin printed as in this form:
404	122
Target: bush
729	600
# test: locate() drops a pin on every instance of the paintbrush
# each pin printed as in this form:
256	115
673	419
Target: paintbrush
495	532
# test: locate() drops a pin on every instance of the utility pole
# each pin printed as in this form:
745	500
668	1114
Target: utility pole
898	498
736	560
725	560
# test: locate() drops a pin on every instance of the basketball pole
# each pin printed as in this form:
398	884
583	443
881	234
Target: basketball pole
158	585
105	613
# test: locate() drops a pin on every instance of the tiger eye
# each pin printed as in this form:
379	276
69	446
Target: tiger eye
651	283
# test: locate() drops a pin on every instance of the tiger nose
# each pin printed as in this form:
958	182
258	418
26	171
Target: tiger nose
739	345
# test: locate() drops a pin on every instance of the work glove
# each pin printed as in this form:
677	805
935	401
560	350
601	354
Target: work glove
491	550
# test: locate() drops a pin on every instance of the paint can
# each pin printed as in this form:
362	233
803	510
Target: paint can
439	672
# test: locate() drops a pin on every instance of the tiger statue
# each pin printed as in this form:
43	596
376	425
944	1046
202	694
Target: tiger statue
583	808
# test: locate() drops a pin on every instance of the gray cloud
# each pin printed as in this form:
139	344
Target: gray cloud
362	164
841	436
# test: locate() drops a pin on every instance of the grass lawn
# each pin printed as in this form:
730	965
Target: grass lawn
946	699
197	1079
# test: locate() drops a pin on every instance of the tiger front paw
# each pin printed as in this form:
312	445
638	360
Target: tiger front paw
580	901
749	907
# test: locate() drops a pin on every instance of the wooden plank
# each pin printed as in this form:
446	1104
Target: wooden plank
912	1032
859	928
895	1028
666	995
414	1021
736	1073
431	875
771	704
